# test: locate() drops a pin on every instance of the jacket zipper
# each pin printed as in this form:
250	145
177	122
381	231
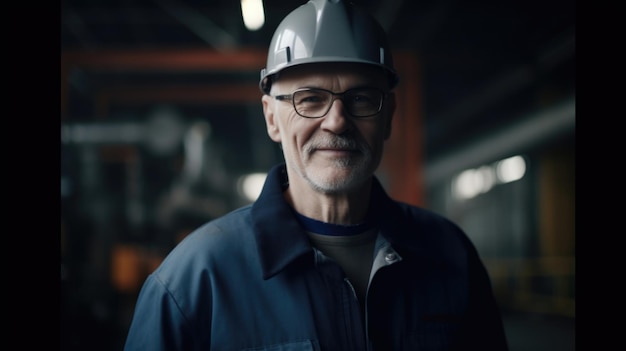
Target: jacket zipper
357	336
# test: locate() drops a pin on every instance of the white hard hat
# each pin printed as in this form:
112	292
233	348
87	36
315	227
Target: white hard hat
327	31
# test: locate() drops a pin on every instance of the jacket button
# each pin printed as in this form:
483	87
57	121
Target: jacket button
390	257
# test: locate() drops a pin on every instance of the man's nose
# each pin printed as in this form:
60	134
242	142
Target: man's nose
336	120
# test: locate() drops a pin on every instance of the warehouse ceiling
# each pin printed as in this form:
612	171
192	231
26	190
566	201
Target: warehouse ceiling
484	64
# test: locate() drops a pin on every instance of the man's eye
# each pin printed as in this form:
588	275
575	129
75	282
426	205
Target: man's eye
311	98
361	99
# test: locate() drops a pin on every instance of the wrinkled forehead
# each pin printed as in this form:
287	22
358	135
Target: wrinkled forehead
355	73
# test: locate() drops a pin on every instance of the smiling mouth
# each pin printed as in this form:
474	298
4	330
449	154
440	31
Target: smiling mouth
336	147
335	150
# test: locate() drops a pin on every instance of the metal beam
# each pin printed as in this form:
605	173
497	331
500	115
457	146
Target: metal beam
167	59
200	25
532	131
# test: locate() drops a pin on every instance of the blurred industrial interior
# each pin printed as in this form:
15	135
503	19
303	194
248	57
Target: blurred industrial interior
162	130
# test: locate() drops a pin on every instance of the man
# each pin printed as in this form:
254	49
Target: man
324	259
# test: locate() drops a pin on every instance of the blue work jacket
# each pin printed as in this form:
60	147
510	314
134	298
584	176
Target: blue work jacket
251	280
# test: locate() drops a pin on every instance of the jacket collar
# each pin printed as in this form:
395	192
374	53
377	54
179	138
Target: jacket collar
280	239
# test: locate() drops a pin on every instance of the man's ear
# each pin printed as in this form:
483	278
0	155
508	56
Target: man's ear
270	122
390	110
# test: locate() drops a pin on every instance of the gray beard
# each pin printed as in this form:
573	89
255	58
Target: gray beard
358	165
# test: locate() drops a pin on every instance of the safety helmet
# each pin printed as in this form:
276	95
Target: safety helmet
327	31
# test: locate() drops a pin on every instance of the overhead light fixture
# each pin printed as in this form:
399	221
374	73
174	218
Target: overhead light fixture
511	169
475	181
253	14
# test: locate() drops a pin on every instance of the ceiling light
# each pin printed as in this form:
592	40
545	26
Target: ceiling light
253	14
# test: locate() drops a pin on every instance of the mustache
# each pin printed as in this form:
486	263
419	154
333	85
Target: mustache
348	142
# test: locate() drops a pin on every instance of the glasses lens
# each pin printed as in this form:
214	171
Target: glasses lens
311	102
363	102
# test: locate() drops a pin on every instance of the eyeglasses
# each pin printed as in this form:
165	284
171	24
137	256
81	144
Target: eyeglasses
316	102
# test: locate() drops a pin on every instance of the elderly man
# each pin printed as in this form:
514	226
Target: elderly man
324	259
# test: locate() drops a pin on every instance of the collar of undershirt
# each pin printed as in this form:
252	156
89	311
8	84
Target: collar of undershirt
319	227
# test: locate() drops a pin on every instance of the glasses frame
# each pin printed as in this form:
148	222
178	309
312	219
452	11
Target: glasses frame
335	96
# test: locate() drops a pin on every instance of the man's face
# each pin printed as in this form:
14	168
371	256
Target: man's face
335	153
